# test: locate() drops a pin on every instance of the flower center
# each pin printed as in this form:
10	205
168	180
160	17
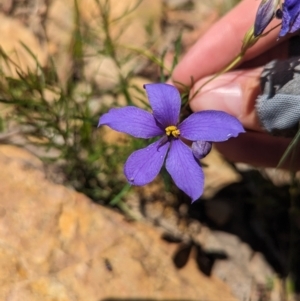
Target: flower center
172	130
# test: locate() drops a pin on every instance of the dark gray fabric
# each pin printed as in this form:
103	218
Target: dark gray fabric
279	106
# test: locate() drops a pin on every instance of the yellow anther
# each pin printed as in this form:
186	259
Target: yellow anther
172	130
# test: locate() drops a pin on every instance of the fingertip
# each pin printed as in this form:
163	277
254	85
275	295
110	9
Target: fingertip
222	43
218	46
234	92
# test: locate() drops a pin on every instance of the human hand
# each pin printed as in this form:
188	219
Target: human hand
235	92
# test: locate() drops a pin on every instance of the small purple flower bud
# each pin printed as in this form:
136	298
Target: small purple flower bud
279	14
265	14
201	149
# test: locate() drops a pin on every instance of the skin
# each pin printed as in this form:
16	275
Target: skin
214	51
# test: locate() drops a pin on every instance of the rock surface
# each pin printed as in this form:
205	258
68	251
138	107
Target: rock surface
14	35
55	244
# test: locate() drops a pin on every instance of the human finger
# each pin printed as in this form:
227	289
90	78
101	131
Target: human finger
222	43
234	92
258	149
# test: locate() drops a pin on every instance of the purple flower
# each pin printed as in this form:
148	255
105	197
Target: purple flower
290	17
143	165
265	14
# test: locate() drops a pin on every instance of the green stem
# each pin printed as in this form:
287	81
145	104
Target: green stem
124	208
293	145
146	54
120	195
294	248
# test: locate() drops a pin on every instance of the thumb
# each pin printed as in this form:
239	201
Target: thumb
234	92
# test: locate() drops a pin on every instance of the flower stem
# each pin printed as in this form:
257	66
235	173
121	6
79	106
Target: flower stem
120	195
294	244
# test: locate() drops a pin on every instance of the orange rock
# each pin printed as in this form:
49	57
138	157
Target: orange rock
55	244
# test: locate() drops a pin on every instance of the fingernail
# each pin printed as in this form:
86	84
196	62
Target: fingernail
221	94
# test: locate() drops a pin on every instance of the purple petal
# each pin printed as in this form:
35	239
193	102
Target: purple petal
296	24
264	15
185	170
211	126
133	121
165	102
143	165
286	19
290	17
